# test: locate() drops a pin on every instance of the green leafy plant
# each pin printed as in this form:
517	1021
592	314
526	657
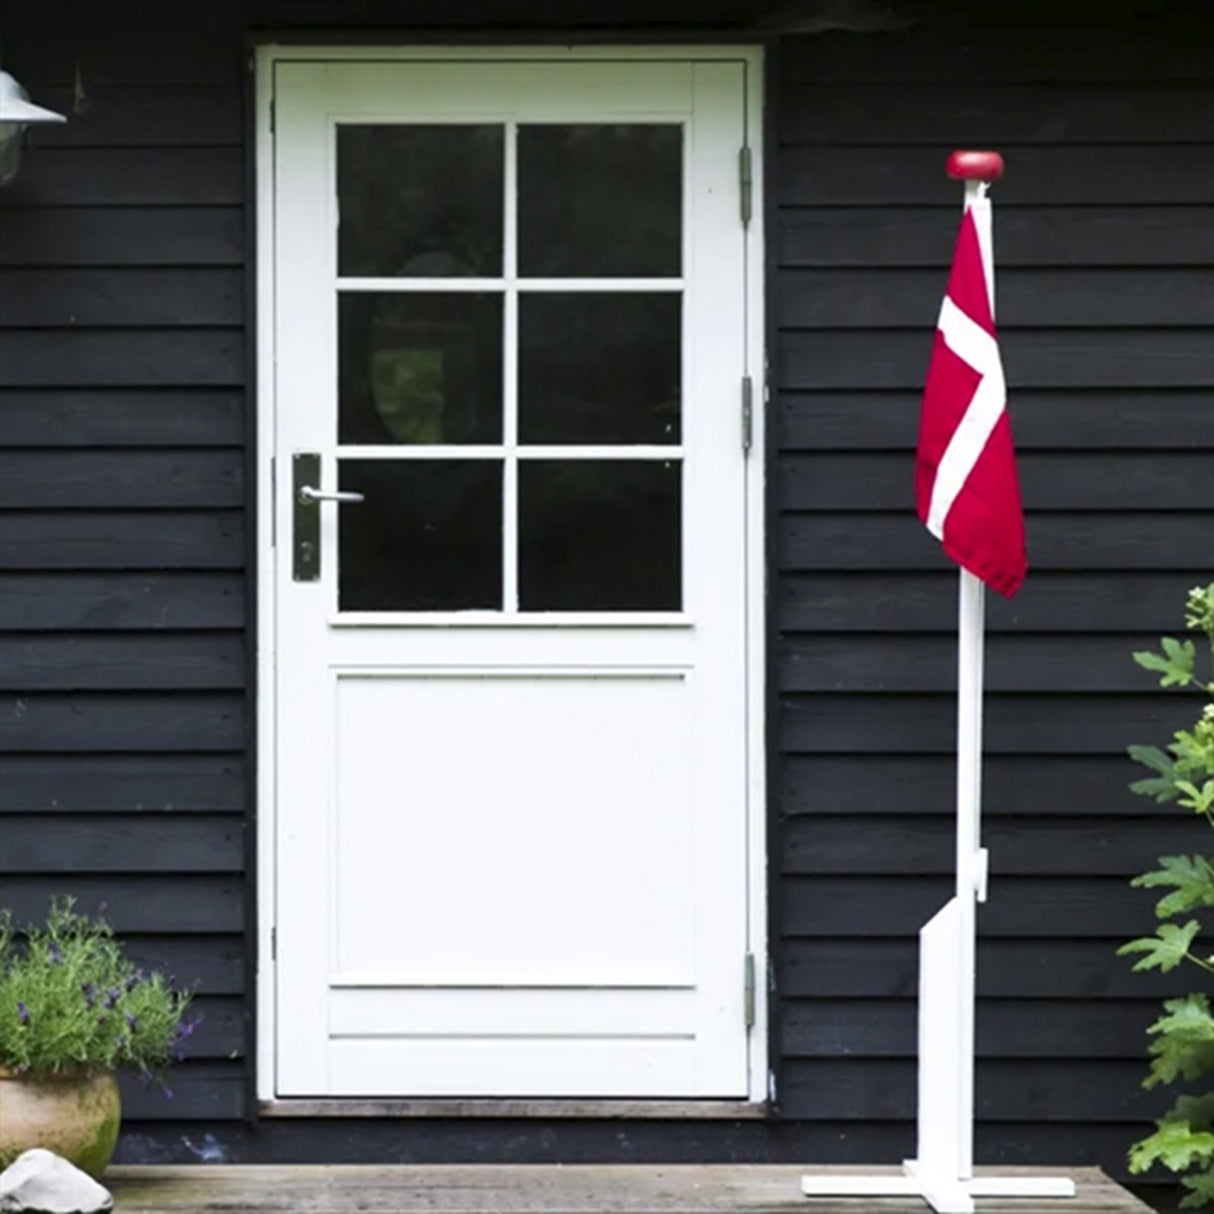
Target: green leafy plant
1182	1048
72	1004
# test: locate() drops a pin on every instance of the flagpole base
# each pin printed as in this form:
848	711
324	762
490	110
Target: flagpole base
944	1194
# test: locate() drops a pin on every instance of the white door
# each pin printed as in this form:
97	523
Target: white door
510	751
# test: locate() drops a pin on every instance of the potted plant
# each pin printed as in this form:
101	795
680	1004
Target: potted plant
73	1010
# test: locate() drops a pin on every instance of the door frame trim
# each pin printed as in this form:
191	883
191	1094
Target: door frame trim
266	56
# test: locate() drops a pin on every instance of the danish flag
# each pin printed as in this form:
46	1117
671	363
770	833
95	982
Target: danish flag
965	471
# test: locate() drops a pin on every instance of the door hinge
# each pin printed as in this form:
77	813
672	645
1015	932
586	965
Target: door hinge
273	944
748	990
273	116
748	412
746	183
273	501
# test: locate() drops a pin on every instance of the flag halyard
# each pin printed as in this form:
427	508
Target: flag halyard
966	486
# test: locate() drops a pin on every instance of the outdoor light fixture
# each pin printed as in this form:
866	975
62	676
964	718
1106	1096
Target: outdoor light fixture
16	113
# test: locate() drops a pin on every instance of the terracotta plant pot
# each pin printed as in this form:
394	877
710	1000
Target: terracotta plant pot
76	1118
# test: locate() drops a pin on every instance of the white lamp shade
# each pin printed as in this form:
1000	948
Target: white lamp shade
15	105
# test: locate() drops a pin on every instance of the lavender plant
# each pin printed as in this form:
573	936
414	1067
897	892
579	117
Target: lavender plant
1182	1048
72	1004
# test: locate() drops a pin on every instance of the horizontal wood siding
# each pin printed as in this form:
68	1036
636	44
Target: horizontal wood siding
123	604
1104	242
124	560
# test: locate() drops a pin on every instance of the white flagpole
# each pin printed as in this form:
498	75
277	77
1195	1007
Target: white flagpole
942	1172
971	855
972	860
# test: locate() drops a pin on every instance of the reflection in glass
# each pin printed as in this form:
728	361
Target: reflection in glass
599	368
420	201
600	200
428	537
420	367
600	535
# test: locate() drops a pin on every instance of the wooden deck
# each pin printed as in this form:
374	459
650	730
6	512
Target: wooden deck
544	1189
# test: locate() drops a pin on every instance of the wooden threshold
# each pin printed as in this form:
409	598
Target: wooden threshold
648	1110
551	1189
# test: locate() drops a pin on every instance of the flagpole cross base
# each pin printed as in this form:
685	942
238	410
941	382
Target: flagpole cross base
944	1194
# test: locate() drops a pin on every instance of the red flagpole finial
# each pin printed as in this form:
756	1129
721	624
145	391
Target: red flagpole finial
974	166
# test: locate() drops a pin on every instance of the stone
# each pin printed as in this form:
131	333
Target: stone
39	1182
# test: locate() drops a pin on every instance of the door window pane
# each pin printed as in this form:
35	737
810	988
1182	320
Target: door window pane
420	367
428	537
601	368
420	201
600	535
600	199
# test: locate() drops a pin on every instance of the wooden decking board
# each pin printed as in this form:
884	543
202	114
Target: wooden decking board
546	1189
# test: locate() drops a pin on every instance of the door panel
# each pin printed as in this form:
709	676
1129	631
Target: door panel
510	756
602	889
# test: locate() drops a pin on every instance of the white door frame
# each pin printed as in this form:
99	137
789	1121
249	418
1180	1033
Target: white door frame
267	57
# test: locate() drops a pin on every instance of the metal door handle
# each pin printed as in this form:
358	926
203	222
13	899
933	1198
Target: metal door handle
305	543
308	494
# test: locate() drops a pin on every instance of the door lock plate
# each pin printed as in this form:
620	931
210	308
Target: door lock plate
305	541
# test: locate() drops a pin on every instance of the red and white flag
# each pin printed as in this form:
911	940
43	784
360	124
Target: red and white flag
965	471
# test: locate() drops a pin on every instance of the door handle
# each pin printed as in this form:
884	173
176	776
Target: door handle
305	540
308	494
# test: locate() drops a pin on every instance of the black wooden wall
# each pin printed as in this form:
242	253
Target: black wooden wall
125	464
1104	239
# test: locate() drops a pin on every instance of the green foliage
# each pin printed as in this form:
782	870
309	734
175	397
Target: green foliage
1175	1144
1184	1043
1201	1189
1183	1140
1182	1048
1166	949
1191	879
72	1004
